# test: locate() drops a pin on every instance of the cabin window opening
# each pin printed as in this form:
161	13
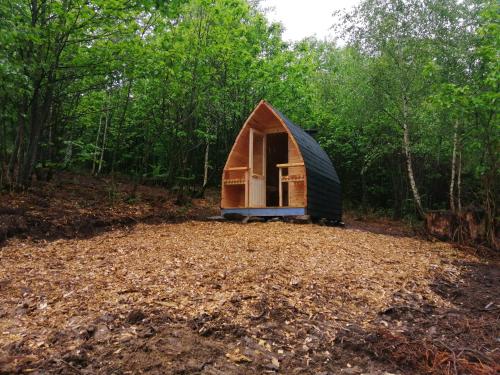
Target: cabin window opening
258	154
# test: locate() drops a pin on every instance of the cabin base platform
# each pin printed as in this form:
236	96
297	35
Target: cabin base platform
267	211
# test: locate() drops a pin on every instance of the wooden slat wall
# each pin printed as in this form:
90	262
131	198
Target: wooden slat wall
233	196
296	193
236	195
239	155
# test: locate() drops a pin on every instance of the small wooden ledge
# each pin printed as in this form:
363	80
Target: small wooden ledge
236	169
293	178
235	181
289	165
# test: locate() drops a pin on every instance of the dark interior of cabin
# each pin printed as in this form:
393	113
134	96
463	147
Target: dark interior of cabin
277	153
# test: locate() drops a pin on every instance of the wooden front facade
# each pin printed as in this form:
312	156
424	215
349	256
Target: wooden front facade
265	168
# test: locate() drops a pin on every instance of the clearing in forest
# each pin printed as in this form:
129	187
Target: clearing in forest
224	298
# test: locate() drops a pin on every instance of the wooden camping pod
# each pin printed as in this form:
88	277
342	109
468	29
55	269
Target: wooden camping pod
275	168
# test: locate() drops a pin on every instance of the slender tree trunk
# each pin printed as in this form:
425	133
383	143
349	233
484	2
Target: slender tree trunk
20	156
121	123
39	107
490	178
3	157
453	168
26	168
459	182
103	147
397	183
363	190
409	166
13	157
96	150
16	156
490	207
49	143
147	145
69	149
206	165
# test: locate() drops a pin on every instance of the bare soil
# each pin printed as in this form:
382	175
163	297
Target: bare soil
73	205
193	297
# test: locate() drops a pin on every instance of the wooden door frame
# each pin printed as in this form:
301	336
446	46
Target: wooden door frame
251	163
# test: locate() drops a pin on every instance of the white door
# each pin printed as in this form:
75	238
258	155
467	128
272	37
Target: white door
257	178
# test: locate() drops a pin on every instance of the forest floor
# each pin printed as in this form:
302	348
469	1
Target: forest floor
123	281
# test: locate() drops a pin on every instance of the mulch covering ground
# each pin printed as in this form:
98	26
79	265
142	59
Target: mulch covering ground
219	298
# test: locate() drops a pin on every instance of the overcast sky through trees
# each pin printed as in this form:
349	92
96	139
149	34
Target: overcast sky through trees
305	18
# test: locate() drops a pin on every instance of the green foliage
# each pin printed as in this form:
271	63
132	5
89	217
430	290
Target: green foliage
149	88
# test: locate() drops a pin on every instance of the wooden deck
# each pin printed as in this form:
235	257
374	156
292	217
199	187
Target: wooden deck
267	211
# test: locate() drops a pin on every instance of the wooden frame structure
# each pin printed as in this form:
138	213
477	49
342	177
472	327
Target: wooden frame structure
266	173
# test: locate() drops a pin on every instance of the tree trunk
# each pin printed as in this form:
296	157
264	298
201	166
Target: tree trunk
459	182
123	117
35	129
16	157
397	186
96	150
363	190
103	147
491	211
49	142
453	168
69	150
41	103
409	166
206	165
3	156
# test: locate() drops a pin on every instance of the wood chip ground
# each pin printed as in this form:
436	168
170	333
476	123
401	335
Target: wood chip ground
219	298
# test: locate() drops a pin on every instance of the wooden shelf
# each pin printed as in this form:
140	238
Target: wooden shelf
292	178
289	165
236	169
235	181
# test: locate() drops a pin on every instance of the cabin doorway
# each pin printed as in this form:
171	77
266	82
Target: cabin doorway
277	153
266	151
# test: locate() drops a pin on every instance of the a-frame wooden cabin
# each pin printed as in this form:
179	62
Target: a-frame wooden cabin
275	168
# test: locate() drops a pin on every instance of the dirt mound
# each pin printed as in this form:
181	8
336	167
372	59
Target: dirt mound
78	206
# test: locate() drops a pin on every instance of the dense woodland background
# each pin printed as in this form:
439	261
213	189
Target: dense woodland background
405	101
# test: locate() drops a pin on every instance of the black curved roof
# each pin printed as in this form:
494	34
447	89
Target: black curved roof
324	198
